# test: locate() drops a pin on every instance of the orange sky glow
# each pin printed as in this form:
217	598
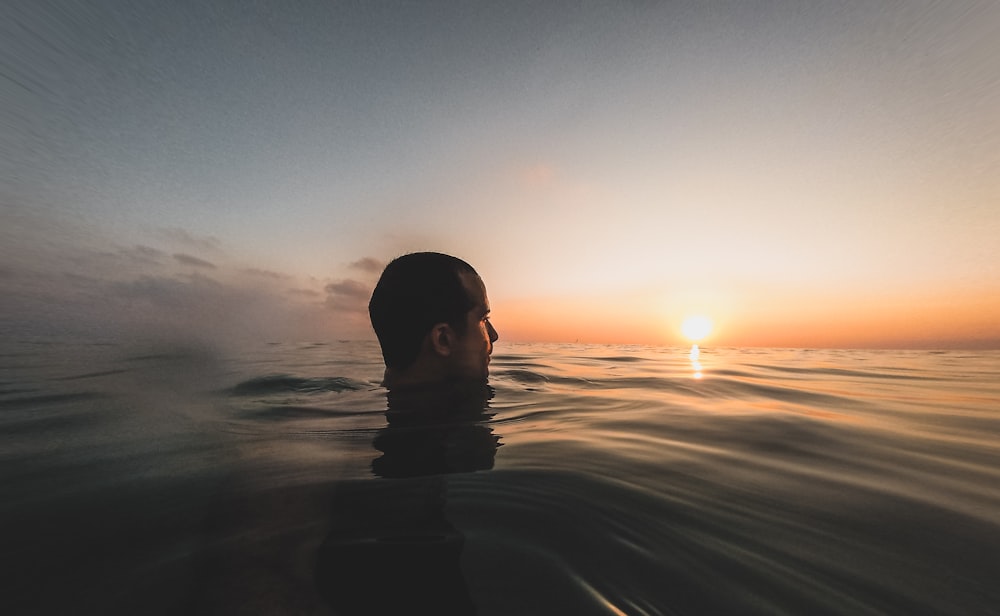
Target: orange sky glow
927	320
805	174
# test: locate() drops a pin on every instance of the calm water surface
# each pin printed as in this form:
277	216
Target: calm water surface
589	480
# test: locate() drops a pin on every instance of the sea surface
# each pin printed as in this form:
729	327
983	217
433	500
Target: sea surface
271	479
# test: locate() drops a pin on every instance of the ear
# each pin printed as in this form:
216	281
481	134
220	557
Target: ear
442	339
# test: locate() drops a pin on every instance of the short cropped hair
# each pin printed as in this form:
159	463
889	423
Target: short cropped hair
416	292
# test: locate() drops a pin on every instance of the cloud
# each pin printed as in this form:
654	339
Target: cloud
73	287
262	273
149	306
176	235
349	288
367	264
194	261
113	263
170	292
348	296
200	307
143	254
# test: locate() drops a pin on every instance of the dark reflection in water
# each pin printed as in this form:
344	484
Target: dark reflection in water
391	548
283	480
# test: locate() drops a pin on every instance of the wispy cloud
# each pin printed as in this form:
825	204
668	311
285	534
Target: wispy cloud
348	288
262	273
367	264
348	296
182	237
143	254
192	306
170	292
193	261
172	288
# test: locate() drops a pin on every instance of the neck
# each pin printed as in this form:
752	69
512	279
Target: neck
413	376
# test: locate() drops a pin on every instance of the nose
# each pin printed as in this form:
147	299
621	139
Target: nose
494	336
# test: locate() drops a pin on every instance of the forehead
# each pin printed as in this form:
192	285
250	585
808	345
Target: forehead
476	289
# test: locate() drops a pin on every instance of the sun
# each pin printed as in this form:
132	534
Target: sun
696	327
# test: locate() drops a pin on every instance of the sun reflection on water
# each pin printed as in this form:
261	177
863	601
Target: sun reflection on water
695	362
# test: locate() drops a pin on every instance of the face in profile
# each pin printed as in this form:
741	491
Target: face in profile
471	357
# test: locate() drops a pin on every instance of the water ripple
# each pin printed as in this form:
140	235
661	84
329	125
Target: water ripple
283	383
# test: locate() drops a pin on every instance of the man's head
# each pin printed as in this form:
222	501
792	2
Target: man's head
430	313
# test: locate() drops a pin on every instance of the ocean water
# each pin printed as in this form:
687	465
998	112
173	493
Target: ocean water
585	480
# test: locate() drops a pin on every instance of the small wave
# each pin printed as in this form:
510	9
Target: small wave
167	356
513	357
521	415
838	372
90	375
283	413
503	361
283	383
44	425
16	390
31	401
746	390
525	376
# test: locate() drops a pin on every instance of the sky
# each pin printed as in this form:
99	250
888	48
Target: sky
805	174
